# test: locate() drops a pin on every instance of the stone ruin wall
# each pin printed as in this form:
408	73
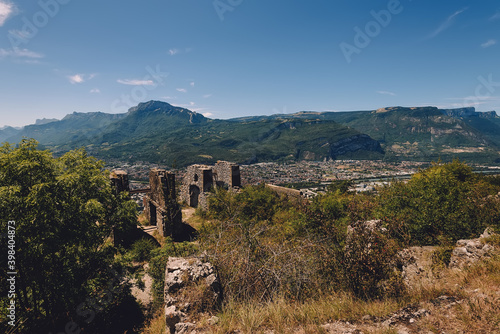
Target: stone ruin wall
294	193
200	179
119	181
227	173
160	204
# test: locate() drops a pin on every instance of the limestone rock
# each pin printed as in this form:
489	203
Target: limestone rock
191	285
469	251
185	328
173	317
406	315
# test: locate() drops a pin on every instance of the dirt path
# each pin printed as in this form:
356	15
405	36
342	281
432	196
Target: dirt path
144	296
187	213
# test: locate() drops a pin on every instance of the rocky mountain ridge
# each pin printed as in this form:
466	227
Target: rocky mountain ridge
158	132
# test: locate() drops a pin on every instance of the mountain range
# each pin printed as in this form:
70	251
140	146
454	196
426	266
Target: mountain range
157	132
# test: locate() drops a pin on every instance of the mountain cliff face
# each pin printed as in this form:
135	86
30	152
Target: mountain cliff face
246	142
425	133
157	109
353	144
149	119
469	112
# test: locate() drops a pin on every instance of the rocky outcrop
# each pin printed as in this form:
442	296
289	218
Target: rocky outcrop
353	144
191	287
488	114
164	108
470	251
416	265
469	112
421	110
460	112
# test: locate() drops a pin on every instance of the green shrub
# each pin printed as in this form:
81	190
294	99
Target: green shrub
141	250
369	261
441	257
443	202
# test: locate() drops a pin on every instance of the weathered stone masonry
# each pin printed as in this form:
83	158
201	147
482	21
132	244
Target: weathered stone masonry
200	179
119	181
160	205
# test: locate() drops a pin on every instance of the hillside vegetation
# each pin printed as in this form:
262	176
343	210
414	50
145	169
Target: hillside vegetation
157	132
293	266
423	133
285	264
61	213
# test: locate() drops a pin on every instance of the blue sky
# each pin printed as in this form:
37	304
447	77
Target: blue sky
231	58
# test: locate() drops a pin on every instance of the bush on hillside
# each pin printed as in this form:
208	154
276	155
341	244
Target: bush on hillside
443	203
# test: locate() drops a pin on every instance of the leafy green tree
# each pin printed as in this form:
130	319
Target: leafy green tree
443	203
65	213
341	186
251	203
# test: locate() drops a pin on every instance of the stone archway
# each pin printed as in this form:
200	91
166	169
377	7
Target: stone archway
194	195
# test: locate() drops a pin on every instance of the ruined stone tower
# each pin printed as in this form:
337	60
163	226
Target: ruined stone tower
200	179
160	205
119	180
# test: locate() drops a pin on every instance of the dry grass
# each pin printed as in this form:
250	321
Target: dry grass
157	325
191	218
478	308
473	308
306	317
143	220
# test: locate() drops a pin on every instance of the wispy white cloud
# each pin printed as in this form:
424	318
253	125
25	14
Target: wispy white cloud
384	92
182	90
95	91
80	78
206	96
489	43
175	51
136	82
77	78
207	114
495	17
447	23
19	53
7	9
191	83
